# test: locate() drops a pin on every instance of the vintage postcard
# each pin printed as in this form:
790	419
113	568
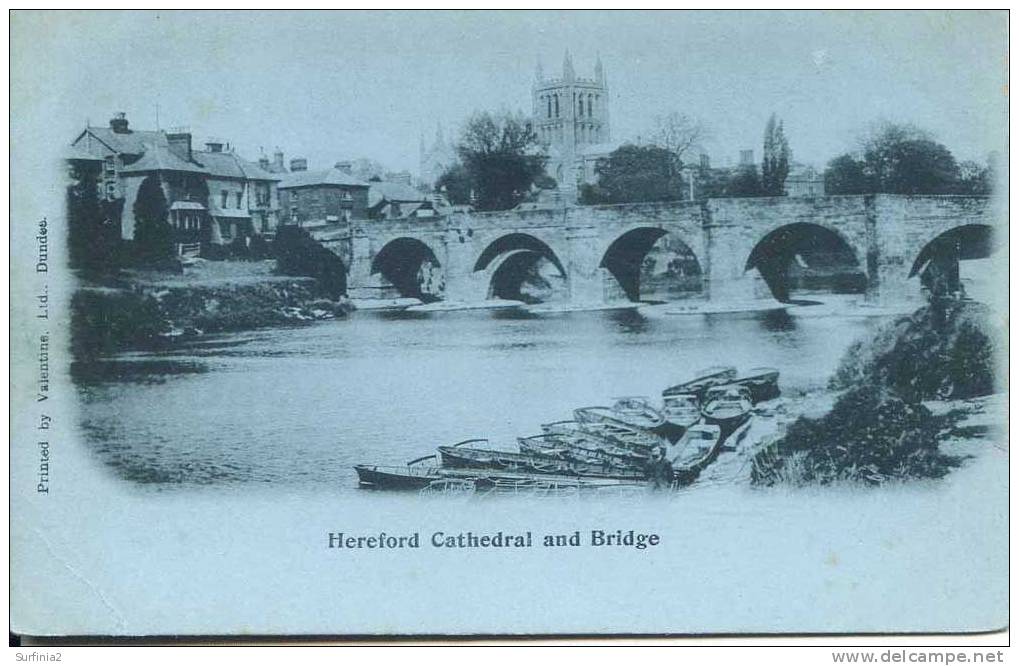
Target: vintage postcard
508	323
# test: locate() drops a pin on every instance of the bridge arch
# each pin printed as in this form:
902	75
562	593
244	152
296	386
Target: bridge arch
512	260
937	263
411	266
806	254
626	255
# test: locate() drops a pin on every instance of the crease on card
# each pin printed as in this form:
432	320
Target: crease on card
118	618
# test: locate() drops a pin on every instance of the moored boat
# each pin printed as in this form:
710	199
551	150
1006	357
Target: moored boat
627	412
705	379
531	463
583	449
761	382
727	406
639	440
681	410
411	477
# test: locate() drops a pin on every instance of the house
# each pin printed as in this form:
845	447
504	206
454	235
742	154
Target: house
322	197
398	200
193	183
243	198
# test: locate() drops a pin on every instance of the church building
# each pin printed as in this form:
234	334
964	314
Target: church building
571	118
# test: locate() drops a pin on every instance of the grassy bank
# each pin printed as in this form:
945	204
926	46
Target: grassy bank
878	429
152	310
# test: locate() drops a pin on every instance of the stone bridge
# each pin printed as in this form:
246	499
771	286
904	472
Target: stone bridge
742	246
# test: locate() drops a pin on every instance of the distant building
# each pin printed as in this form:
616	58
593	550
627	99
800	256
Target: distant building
322	197
434	160
397	200
571	118
804	181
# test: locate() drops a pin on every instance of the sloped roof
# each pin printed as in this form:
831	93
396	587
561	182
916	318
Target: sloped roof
393	192
77	152
322	177
229	165
159	158
254	172
223	165
132	142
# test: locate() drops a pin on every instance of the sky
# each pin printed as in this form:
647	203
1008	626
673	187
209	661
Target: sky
342	85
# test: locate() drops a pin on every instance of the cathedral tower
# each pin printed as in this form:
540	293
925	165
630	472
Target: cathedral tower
570	113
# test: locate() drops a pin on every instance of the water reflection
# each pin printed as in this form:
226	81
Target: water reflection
301	406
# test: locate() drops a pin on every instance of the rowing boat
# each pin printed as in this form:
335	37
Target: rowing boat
704	380
627	412
761	382
727	406
582	449
532	463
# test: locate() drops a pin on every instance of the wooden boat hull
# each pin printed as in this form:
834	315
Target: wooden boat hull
407	478
608	416
582	451
530	463
394	478
705	380
763	384
728	423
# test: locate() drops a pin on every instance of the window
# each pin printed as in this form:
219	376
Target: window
589	105
240	197
346	196
223	194
110	164
111	190
557	106
549	100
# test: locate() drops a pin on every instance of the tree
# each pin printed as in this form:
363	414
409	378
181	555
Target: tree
502	157
455	182
678	133
775	163
897	159
904	159
635	173
744	183
975	179
845	175
153	237
91	238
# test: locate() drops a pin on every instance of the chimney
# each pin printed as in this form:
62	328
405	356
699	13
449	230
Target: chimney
746	157
180	143
214	146
345	166
705	161
118	123
299	164
278	160
263	163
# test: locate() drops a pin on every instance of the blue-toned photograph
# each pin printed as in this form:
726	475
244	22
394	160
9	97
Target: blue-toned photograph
640	323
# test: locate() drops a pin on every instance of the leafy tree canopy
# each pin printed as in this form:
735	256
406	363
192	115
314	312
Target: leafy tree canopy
635	173
502	158
899	159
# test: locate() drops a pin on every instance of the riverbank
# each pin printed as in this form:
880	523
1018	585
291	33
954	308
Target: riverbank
146	310
904	399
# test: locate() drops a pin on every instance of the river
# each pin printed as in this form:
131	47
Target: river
298	407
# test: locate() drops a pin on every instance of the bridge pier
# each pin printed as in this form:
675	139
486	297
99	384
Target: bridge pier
584	276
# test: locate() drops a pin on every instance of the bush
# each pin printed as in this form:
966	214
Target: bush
869	436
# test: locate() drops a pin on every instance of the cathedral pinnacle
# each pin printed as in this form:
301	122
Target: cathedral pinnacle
568	73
